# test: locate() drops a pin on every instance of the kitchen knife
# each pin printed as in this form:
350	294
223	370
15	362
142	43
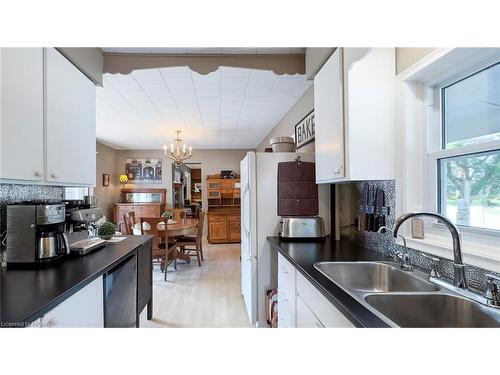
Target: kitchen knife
366	193
370	204
379	203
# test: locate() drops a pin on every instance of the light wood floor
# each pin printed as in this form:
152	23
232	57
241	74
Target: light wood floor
206	296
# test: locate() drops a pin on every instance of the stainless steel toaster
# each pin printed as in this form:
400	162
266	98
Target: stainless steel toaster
302	227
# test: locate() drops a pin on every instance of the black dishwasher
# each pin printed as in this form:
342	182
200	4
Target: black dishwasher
120	295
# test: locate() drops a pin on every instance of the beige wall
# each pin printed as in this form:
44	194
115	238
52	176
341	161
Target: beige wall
286	127
212	162
106	160
406	57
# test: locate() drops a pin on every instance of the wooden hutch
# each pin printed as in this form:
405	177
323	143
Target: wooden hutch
144	202
223	196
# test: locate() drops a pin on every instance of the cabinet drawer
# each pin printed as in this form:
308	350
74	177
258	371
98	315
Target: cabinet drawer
213	185
226	184
227	191
216	218
234	234
323	309
213	194
234	223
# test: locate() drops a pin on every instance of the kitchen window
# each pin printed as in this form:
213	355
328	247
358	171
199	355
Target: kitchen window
465	152
448	150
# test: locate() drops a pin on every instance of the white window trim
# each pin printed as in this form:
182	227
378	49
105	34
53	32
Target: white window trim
415	109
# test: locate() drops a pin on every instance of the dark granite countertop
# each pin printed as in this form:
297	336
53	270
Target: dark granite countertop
303	255
29	293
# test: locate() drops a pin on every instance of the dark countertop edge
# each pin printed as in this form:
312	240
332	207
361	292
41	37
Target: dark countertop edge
345	310
74	289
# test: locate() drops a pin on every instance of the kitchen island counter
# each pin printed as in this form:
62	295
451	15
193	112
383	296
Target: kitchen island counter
28	294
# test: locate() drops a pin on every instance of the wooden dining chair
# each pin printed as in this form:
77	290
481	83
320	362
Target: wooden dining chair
127	225
193	245
164	248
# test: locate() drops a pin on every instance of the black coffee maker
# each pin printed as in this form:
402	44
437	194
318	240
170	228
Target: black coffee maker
36	233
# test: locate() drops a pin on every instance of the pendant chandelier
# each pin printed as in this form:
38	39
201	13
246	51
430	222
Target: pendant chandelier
178	152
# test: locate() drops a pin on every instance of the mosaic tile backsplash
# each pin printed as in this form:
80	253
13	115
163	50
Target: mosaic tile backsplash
350	198
15	193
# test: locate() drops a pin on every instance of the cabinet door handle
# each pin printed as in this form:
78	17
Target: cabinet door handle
38	174
337	171
53	175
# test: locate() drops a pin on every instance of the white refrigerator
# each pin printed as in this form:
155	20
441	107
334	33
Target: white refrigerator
259	219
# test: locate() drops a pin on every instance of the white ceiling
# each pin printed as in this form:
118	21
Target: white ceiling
229	108
214	51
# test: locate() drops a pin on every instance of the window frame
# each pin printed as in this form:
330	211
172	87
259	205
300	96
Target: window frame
436	146
416	187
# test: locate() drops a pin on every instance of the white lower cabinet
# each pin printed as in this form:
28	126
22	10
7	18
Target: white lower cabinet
301	305
286	293
84	309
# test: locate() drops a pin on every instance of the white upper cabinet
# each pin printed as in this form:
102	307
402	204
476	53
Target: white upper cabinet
354	109
70	123
329	119
47	119
21	108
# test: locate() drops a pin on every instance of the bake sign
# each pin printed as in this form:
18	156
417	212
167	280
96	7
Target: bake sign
304	130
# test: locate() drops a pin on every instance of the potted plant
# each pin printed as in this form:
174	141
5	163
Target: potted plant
106	230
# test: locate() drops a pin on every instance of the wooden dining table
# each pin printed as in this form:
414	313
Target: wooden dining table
181	227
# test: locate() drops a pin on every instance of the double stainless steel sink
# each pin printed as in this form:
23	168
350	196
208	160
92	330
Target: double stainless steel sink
407	299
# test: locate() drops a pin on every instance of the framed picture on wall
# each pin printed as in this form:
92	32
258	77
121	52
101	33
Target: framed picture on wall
143	171
105	179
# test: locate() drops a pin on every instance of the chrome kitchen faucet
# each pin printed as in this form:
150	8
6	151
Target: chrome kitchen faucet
459	279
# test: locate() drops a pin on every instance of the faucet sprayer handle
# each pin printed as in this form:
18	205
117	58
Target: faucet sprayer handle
492	293
434	272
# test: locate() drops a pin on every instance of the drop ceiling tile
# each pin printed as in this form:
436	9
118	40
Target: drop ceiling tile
163	101
122	82
148	76
209	101
180	83
183	96
262	77
188	107
258	90
234	83
156	90
177	71
207	91
286	84
232	96
228	107
134	95
254	101
227	71
206	79
279	96
144	106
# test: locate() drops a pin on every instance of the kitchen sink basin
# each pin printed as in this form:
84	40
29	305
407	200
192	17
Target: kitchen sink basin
433	310
369	277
